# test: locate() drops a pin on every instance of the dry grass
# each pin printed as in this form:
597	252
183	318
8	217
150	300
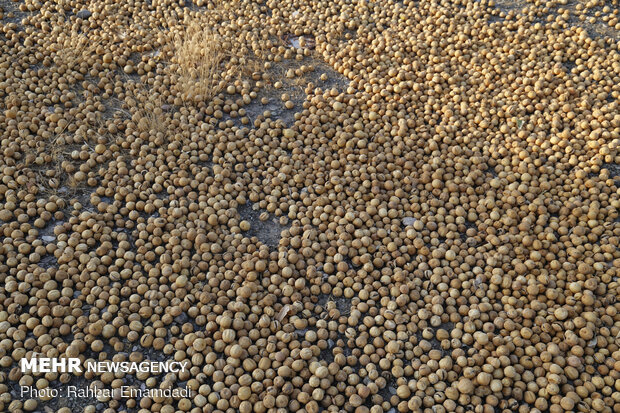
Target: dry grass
208	62
200	56
151	118
71	49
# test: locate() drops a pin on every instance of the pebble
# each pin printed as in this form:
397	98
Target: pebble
84	14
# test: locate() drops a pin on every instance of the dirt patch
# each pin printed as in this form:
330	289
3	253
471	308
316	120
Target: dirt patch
268	231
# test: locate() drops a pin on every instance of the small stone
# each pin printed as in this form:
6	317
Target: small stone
84	14
181	318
